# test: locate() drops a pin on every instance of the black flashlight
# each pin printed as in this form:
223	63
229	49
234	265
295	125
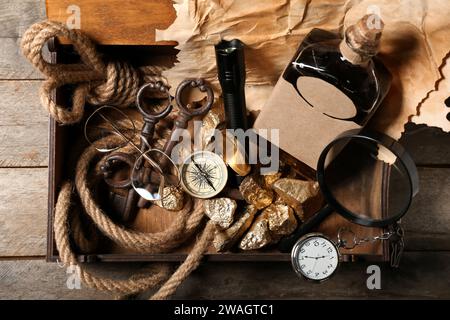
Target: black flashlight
231	71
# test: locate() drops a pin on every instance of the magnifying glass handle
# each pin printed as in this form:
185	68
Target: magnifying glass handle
286	244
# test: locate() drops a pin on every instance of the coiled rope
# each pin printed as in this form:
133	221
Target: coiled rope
112	83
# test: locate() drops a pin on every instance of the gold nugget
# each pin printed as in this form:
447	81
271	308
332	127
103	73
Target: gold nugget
303	196
220	211
235	156
211	121
223	240
271	178
258	236
281	220
299	212
172	199
254	194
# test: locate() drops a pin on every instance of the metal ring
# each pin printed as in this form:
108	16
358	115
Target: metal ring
156	86
112	131
112	160
203	87
157	167
396	148
343	242
140	190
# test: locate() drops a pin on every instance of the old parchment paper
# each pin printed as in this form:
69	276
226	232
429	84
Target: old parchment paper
415	47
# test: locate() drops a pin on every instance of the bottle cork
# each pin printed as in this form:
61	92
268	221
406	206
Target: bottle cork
362	40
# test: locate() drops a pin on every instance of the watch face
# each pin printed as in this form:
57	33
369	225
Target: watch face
315	257
203	174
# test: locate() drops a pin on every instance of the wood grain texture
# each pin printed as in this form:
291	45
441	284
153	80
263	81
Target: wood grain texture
36	279
416	279
23	216
427	146
127	22
23	223
23	125
17	16
23	195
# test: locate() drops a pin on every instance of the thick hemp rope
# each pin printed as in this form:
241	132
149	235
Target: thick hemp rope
68	257
186	223
132	285
183	226
96	82
113	83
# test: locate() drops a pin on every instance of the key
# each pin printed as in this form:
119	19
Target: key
186	113
397	246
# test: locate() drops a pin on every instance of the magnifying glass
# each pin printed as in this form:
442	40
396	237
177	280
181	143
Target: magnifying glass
107	121
368	178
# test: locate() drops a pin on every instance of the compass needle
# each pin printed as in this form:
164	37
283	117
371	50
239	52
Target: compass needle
204	174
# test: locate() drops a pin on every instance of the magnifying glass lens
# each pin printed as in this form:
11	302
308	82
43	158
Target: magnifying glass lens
141	180
107	121
366	181
149	179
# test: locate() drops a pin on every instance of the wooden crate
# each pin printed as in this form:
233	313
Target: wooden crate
94	24
61	168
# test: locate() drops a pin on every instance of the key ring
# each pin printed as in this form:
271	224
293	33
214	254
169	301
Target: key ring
203	87
157	115
107	169
126	138
150	118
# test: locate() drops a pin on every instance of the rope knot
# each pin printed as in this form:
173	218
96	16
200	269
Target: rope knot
119	87
96	82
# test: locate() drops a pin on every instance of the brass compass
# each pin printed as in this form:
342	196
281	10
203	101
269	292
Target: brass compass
203	174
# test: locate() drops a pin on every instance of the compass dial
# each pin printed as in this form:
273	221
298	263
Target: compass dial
204	174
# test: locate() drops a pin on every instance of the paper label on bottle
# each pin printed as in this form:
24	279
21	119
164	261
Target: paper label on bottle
326	98
304	131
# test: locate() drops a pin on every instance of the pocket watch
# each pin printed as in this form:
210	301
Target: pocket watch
315	257
204	174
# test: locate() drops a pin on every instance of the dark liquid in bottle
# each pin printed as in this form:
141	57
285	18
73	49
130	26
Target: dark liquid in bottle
319	56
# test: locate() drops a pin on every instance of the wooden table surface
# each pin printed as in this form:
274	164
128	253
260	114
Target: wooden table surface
425	268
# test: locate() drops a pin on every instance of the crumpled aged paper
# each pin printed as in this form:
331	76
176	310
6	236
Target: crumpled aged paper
414	46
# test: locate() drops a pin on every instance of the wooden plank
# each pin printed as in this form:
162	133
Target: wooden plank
13	65
428	146
428	222
17	16
23	223
37	279
23	125
23	215
416	279
127	22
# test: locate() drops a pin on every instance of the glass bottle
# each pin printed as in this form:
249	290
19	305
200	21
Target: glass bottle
348	64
